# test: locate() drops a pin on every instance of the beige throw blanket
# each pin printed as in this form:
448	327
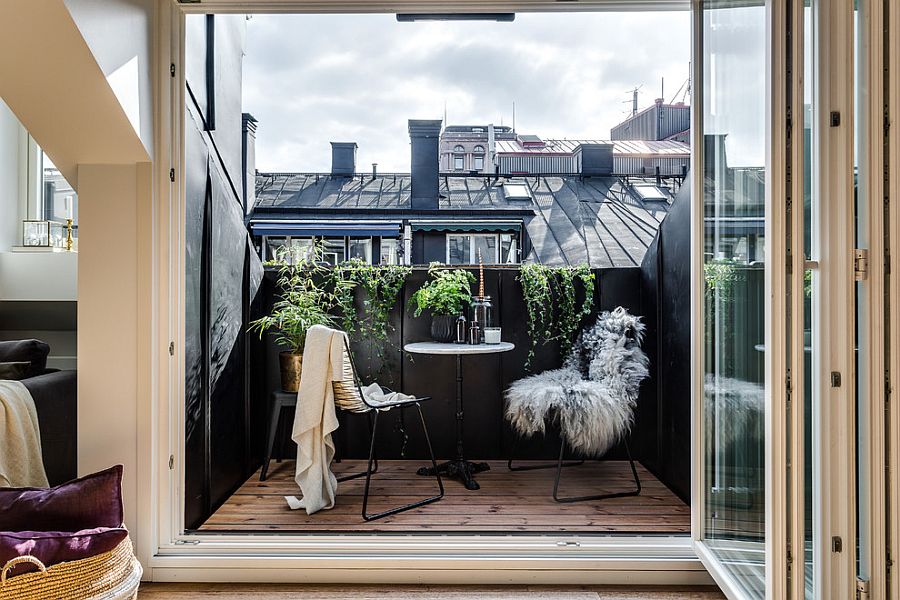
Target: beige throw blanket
21	463
315	419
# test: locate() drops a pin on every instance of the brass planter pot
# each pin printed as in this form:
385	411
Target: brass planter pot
291	365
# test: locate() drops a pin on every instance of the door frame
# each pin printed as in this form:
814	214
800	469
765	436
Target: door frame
169	554
892	90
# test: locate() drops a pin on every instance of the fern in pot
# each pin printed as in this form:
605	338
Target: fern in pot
445	295
303	301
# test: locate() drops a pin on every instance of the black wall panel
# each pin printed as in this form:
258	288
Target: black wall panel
666	296
223	275
228	249
486	434
196	188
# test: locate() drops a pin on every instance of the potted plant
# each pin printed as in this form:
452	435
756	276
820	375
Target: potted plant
303	301
445	296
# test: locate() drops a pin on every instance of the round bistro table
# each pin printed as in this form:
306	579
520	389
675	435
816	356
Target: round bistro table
459	467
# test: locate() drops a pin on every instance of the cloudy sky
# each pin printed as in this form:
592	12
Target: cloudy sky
312	79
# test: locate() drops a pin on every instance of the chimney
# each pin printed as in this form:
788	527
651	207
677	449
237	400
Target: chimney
595	159
343	158
424	137
248	162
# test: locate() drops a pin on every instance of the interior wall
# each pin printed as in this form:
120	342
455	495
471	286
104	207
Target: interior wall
120	36
108	316
38	290
10	178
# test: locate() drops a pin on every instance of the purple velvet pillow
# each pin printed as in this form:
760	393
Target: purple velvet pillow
54	547
83	503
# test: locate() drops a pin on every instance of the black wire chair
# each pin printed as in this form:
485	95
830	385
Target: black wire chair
559	467
348	396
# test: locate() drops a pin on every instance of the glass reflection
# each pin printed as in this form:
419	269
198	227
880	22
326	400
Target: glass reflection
734	182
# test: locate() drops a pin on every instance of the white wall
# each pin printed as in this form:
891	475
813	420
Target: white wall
119	34
9	178
108	321
38	275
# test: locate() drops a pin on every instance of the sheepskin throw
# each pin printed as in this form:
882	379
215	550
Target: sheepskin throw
592	396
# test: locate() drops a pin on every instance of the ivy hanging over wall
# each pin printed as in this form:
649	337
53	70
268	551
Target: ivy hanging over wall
551	300
381	286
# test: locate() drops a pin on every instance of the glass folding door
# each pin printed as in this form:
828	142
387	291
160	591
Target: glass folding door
733	273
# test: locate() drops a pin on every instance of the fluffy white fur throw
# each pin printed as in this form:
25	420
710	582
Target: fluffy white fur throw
593	395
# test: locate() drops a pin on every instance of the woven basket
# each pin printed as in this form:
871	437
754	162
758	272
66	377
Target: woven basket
114	575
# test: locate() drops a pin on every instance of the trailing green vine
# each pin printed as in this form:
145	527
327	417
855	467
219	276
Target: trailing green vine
544	288
380	286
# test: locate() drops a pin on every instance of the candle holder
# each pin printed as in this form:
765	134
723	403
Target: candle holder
69	240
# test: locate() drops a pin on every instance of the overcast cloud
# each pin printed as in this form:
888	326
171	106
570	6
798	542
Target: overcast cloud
312	79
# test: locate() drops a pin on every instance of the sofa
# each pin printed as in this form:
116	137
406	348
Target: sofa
55	398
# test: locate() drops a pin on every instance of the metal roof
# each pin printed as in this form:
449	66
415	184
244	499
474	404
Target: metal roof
667	148
601	221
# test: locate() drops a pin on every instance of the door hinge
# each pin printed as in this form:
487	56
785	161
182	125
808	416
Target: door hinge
835	379
172	175
861	263
171	462
862	589
172	69
837	544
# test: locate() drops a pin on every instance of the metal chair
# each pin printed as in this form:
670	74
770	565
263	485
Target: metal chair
348	396
559	467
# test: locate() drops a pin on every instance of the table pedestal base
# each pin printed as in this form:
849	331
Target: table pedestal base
461	469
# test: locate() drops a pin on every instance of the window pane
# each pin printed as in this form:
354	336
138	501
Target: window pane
361	248
458	162
734	47
479	162
274	248
60	202
390	251
509	248
486	245
458	249
334	251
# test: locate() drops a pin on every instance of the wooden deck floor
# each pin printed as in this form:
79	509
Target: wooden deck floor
507	502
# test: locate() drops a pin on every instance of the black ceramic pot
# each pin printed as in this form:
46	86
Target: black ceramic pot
443	328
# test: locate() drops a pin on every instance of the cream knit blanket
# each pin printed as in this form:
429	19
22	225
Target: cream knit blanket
316	419
21	463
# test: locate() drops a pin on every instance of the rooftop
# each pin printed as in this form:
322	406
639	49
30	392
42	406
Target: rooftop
602	221
664	148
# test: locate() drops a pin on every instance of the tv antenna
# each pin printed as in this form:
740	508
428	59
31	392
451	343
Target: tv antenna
634	99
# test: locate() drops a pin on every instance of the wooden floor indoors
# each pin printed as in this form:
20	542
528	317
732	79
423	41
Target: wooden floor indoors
507	502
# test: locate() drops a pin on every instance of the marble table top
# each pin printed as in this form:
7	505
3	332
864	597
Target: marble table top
447	348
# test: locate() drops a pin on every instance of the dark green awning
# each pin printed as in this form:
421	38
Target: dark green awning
467	226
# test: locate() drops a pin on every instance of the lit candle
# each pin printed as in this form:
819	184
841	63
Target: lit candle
69	207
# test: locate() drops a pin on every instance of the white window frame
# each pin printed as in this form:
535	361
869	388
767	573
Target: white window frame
498	254
168	553
473	257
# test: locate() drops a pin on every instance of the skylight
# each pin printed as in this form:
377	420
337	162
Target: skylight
516	191
650	193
